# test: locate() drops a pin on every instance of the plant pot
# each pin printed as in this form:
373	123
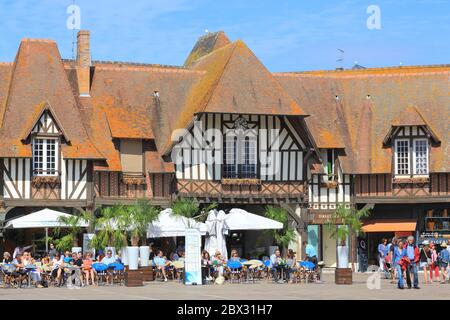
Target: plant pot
343	276
124	256
144	256
77	249
342	254
133	258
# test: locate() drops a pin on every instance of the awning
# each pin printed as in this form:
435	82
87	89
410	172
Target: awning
389	225
45	218
239	219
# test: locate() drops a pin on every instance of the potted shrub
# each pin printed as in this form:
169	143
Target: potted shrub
283	237
109	231
342	223
72	223
141	214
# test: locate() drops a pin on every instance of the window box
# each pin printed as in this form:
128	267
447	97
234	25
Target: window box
38	181
411	180
331	184
241	182
134	180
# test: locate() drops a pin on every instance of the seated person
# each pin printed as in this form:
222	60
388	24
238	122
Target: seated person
108	259
7	258
218	260
234	256
67	257
161	263
206	265
57	265
20	271
291	264
88	271
275	264
35	274
181	255
174	256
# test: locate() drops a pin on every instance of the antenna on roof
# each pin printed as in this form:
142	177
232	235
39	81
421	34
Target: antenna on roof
340	59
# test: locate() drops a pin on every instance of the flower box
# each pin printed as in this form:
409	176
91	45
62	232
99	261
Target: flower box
134	180
42	180
332	184
241	182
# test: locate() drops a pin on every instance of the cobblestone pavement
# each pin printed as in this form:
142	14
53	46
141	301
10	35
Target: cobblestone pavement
262	290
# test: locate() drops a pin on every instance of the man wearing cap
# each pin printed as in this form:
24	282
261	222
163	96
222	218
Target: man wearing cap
413	255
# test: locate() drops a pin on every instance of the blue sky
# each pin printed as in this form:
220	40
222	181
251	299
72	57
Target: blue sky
290	35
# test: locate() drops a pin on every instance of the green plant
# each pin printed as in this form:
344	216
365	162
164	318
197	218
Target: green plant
344	222
283	237
141	214
190	208
111	227
351	218
72	223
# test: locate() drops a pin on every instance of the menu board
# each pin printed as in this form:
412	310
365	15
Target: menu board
192	262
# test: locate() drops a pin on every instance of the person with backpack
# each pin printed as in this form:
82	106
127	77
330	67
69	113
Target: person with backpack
412	252
444	259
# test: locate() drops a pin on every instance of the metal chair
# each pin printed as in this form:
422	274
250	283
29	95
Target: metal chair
102	271
235	270
118	272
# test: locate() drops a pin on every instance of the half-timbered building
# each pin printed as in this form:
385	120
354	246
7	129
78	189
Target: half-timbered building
81	134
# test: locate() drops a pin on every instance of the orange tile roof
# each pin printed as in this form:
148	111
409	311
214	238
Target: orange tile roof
38	78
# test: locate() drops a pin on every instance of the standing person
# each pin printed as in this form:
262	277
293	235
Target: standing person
391	258
425	259
382	251
435	264
20	250
310	251
413	255
399	252
444	259
52	251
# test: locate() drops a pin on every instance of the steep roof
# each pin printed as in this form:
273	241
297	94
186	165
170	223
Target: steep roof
235	82
120	89
355	105
205	45
38	78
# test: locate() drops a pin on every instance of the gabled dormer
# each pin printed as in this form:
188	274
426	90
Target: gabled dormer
45	134
410	138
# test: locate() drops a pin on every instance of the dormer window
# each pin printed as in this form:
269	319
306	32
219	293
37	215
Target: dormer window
45	156
131	157
411	159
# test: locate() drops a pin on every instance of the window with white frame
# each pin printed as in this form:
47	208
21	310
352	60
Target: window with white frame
420	156
402	157
240	157
411	157
45	157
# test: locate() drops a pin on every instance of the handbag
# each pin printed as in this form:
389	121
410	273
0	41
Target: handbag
429	260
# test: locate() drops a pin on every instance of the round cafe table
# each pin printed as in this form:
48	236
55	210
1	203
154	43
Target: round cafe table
247	265
29	269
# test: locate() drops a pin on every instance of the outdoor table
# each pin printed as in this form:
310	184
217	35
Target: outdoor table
29	268
247	265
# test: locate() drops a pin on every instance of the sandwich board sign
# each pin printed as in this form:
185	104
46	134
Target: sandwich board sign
192	263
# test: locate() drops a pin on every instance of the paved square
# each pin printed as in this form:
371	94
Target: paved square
262	290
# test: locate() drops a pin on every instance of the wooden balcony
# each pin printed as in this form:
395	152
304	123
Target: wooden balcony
242	191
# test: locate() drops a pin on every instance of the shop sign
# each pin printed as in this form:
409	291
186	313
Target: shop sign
320	217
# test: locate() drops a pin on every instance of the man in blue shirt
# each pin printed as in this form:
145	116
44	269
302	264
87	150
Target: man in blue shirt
311	253
413	255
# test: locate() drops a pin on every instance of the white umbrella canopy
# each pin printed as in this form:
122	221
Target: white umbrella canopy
239	219
217	229
170	225
45	218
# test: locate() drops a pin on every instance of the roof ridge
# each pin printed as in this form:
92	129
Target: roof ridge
38	40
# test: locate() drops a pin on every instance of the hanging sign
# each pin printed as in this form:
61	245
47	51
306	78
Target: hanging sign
192	262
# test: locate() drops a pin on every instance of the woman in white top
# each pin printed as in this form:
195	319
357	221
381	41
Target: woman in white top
57	267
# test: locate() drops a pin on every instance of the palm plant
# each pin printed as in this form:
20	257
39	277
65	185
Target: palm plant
140	215
72	223
283	237
350	221
111	225
190	208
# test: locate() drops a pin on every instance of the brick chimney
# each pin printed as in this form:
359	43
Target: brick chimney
83	63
